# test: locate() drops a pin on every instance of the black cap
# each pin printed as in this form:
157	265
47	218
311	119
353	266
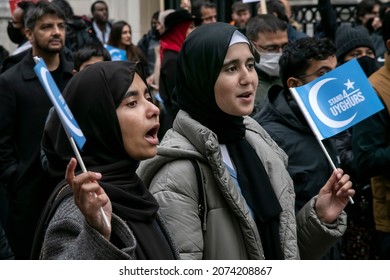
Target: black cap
177	17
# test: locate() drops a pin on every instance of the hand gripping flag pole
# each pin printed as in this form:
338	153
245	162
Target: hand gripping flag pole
336	101
73	131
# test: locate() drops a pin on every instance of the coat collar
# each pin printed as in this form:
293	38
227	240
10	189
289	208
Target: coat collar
28	66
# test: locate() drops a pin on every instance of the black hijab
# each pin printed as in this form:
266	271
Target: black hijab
93	95
199	64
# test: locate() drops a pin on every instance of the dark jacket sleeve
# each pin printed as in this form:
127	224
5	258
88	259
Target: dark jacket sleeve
8	160
370	144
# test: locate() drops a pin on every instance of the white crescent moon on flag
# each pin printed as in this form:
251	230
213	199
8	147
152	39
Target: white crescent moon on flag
69	124
313	100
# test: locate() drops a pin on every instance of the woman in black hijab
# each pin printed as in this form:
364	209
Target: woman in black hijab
249	196
114	109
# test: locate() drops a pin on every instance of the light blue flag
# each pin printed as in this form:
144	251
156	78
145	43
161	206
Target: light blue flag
116	53
68	121
337	100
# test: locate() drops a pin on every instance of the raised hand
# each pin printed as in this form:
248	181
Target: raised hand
89	197
334	196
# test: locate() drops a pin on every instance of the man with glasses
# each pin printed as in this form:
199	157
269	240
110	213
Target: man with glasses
268	34
301	62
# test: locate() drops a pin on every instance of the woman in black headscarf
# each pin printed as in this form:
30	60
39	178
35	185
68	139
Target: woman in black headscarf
114	109
249	196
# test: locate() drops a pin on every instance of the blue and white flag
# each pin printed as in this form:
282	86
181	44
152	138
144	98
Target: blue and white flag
68	121
337	100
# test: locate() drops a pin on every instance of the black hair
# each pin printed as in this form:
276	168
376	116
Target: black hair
296	57
40	9
116	32
365	7
276	7
94	5
25	6
66	7
87	51
197	7
264	23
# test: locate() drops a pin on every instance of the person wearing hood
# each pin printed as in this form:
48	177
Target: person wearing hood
269	36
248	210
114	110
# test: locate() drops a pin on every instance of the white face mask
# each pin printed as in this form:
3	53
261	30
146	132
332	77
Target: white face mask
269	63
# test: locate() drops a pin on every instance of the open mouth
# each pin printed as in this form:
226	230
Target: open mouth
245	94
151	135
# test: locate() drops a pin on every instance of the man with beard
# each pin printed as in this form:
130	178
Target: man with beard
24	106
100	23
16	33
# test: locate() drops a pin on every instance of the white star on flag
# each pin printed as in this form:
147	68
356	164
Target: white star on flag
349	84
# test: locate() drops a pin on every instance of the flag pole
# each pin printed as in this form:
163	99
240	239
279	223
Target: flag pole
81	162
315	132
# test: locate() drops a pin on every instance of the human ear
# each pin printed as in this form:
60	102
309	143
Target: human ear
293	82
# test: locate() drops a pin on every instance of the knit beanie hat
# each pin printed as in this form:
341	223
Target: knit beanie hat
349	38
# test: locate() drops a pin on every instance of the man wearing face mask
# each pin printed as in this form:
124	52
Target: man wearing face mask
269	35
16	33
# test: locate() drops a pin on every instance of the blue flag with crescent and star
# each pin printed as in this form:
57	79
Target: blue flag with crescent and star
337	100
68	121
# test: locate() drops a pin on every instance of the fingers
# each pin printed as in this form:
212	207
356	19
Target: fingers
69	174
333	179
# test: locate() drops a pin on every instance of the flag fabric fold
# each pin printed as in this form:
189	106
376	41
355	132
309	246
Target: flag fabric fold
68	121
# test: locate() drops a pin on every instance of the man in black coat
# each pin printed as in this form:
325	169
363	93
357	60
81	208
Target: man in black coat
24	106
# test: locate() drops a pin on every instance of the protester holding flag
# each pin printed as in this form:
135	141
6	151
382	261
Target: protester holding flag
247	206
370	143
114	110
302	61
24	106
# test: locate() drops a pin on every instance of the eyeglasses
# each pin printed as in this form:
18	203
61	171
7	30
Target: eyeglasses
271	48
318	73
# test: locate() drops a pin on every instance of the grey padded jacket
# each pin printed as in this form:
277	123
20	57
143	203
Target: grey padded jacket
228	231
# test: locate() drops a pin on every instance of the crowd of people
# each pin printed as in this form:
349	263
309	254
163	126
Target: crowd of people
195	147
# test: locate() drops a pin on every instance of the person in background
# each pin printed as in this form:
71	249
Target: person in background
24	106
368	16
115	112
277	8
88	55
358	241
186	5
248	210
100	25
178	25
205	10
371	150
121	38
78	29
241	14
269	36
16	31
149	42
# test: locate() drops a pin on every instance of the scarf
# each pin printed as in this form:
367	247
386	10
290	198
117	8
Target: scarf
199	64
